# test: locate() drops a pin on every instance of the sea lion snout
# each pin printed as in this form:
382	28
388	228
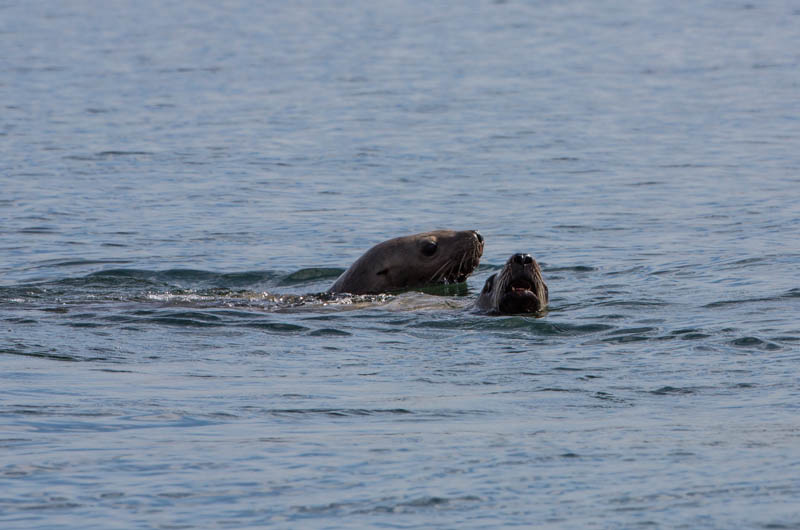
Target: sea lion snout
522	259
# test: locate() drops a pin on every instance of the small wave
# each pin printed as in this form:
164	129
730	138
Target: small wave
792	293
695	336
631	303
84	325
21	320
279	327
330	332
621	336
391	505
79	262
671	390
571	268
610	398
690	334
166	275
742	301
537	326
739	262
198	320
38	230
203	319
755	343
786	338
39	354
632	331
336	413
586	228
311	274
113	153
194	315
626	338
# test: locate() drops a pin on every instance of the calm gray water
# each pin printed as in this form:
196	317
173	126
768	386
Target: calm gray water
173	174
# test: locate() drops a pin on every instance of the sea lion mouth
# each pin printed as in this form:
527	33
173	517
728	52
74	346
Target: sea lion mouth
520	286
521	294
519	297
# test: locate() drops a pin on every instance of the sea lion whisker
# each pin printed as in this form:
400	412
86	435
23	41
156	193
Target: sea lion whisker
439	274
461	266
454	271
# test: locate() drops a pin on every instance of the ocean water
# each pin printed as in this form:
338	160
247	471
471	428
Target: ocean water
175	176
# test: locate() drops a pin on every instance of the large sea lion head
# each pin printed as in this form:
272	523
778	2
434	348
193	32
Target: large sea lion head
518	288
442	256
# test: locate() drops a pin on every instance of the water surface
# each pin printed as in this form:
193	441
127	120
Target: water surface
175	177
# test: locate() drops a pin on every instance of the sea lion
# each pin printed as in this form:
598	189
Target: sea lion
442	256
518	288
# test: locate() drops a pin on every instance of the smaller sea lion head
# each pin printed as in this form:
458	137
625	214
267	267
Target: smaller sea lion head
441	256
517	288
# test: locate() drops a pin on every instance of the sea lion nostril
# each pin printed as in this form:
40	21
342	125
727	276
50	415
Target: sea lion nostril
517	258
527	259
479	236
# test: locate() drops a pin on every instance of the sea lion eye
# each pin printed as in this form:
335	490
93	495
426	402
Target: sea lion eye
429	248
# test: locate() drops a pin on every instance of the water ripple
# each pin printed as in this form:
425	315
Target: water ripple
755	343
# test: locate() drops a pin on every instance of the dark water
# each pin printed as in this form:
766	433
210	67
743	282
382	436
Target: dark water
175	175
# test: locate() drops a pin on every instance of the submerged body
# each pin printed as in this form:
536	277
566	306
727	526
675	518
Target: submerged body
441	256
517	288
